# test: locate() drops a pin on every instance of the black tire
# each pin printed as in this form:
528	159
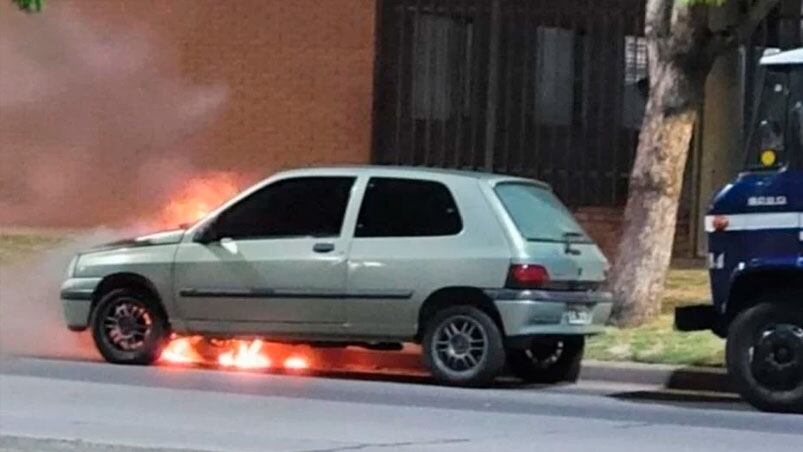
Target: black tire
548	360
140	338
767	377
443	360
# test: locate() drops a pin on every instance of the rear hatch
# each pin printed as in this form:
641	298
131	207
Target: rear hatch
546	234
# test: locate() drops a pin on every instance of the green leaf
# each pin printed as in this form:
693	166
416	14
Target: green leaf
29	6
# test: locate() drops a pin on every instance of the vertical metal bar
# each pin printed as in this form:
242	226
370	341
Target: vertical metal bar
452	74
600	119
554	170
525	73
509	33
402	8
537	150
413	82
464	69
588	67
618	116
493	88
429	107
569	175
474	91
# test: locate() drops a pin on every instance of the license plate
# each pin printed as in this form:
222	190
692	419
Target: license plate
578	315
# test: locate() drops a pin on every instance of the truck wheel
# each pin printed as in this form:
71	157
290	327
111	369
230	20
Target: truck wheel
463	347
548	360
129	327
765	356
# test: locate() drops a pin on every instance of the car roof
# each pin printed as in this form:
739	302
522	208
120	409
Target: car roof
406	172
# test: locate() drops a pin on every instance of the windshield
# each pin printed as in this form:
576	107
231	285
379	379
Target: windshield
775	140
538	213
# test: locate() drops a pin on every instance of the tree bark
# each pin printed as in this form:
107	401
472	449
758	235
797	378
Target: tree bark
677	36
645	251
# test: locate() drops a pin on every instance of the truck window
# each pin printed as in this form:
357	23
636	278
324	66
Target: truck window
538	214
775	138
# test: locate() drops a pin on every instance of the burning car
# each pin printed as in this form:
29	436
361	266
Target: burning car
482	270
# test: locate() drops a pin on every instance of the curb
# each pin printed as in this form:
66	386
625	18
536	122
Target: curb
686	378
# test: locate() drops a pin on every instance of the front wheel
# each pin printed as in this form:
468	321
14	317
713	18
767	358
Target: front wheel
765	356
548	360
463	347
129	327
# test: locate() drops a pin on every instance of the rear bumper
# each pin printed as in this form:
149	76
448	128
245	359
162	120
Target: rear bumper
696	318
541	312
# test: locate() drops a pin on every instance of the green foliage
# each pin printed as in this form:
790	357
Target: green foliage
29	6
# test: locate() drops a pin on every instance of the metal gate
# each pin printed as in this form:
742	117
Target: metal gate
550	89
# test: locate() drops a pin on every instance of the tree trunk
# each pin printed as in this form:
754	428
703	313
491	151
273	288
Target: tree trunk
651	213
676	38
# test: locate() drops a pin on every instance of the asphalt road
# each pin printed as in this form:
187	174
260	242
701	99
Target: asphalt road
50	405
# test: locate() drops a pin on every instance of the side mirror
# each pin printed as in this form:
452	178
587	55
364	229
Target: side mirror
208	233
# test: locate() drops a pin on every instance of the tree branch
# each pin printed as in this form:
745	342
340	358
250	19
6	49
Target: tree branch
757	13
741	33
658	19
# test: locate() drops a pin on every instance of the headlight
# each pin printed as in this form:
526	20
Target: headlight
72	266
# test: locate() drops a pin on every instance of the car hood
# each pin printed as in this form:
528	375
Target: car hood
159	238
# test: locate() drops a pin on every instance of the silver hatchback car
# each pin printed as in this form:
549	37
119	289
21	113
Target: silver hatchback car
482	270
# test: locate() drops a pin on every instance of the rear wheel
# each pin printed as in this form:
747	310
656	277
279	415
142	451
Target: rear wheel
765	355
463	347
129	327
548	360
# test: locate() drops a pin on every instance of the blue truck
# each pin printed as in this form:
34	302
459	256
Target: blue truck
755	244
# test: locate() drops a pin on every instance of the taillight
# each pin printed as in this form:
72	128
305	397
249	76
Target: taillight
720	223
527	276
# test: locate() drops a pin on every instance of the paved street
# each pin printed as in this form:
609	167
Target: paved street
47	405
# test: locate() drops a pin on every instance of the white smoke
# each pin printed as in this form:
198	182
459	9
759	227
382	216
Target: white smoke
95	127
31	318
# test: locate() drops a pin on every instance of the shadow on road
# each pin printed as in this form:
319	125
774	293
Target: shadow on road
689	399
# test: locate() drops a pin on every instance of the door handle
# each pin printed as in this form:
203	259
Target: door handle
323	247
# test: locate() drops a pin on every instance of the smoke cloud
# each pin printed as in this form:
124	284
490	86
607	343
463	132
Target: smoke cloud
96	127
31	320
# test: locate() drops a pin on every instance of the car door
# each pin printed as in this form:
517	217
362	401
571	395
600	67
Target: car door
405	240
274	262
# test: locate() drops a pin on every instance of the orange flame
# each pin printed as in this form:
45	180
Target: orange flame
179	351
296	363
231	354
247	356
199	196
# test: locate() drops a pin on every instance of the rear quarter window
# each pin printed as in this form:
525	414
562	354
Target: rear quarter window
395	207
538	214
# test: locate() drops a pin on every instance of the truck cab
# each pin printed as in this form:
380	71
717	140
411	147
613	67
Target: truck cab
755	243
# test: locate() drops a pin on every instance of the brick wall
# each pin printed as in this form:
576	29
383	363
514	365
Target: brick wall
117	102
604	225
299	74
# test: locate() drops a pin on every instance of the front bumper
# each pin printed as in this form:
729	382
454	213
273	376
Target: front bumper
76	301
546	312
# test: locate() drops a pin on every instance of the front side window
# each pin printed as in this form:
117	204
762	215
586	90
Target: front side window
300	207
775	139
407	208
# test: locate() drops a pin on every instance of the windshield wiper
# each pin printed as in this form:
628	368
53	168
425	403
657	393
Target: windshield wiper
567	237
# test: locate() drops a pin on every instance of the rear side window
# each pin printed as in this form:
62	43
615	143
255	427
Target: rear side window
407	208
538	213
